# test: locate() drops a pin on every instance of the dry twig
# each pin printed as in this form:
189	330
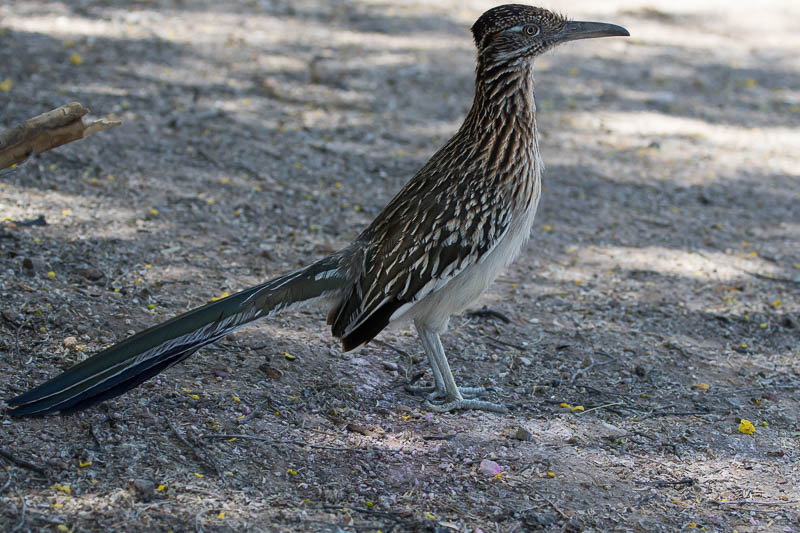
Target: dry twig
47	131
756	502
584	370
289	442
204	460
23	463
485	312
554	506
387	345
663	483
604	406
21	513
7	484
504	343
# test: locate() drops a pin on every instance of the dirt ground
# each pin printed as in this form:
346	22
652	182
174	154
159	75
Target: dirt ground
657	305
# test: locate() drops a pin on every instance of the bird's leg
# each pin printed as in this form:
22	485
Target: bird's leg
431	390
438	390
449	397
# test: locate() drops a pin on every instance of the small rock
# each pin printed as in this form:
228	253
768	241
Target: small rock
661	99
271	372
542	519
32	265
523	434
90	273
525	361
610	431
143	488
389	365
57	463
703	198
70	342
355	428
489	468
12	316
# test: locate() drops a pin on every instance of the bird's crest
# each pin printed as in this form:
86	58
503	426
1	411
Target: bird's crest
506	16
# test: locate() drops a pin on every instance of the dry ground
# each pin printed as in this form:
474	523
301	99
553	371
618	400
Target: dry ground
660	290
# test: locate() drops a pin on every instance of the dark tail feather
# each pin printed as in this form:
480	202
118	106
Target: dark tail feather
125	365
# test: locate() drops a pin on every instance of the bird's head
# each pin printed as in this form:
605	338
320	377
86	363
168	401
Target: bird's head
514	32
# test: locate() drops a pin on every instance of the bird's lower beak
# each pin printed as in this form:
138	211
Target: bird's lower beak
574	30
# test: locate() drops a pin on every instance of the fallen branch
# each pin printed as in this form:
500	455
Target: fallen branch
676	413
598	407
206	461
554	506
387	345
257	410
47	131
22	462
485	312
755	502
662	483
584	370
298	443
504	343
10	474
387	514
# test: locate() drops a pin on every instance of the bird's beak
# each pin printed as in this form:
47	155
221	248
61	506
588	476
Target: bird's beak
574	30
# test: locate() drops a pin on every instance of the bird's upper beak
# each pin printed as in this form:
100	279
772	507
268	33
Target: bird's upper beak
575	29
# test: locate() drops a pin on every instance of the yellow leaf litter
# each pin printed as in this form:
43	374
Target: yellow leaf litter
746	427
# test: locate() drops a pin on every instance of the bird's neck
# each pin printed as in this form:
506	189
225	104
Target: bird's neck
503	95
502	127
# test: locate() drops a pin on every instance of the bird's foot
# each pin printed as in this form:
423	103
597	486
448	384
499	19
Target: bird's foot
465	403
421	389
433	393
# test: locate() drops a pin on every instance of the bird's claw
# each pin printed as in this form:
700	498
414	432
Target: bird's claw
433	393
465	403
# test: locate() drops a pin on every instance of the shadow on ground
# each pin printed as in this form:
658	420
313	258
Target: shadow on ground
246	154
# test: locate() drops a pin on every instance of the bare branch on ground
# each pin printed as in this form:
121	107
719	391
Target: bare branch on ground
47	131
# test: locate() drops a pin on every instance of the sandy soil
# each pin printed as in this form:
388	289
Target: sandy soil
660	292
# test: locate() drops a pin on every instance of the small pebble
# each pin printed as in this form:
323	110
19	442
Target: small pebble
144	489
489	468
69	342
523	434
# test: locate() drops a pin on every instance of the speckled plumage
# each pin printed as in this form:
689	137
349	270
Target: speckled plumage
478	187
432	251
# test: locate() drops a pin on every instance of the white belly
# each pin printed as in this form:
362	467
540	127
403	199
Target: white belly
434	310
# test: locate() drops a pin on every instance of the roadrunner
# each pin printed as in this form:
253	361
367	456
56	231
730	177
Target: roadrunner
432	251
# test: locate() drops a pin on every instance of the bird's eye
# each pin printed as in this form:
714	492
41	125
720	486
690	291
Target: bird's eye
530	29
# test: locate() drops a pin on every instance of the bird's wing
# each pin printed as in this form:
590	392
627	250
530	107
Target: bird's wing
421	243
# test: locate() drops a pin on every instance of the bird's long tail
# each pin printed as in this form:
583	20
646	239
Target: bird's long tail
125	365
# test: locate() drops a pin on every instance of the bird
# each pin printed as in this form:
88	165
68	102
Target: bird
433	250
